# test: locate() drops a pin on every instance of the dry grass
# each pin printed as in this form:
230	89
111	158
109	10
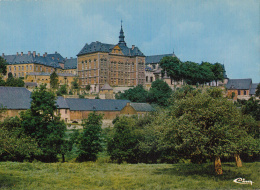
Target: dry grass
99	175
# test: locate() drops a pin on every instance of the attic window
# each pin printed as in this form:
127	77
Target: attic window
94	107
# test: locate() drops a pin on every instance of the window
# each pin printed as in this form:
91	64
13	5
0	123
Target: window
65	111
244	92
22	68
9	68
30	67
36	68
41	68
15	68
19	68
238	92
26	67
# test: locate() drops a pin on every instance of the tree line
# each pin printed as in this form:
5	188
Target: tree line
190	72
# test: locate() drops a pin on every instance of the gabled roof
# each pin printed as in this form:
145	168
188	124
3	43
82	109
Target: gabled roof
15	97
239	84
70	63
106	87
76	104
253	88
102	47
156	58
142	107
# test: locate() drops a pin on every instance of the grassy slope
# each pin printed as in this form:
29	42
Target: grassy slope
91	175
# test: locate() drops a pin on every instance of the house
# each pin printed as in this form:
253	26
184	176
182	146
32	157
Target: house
15	100
115	64
239	88
253	89
139	109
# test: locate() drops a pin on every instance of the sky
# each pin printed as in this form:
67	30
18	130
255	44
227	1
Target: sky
224	31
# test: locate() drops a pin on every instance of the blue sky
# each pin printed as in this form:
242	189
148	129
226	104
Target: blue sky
225	31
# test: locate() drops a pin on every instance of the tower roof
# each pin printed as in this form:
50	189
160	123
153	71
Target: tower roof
122	36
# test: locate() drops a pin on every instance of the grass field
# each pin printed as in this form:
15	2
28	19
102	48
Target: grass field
97	175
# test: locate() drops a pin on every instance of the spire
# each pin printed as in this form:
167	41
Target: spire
121	36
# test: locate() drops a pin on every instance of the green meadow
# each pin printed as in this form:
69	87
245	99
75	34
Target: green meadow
102	175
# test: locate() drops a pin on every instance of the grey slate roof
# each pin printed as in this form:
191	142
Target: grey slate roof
15	97
30	84
76	104
70	63
156	58
26	58
143	107
253	88
61	103
102	47
239	84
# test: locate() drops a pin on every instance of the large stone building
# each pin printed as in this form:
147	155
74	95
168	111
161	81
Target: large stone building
117	65
20	65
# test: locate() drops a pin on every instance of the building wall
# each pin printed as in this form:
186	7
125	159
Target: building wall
128	110
98	68
241	94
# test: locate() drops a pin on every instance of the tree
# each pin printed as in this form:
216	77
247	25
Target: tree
75	84
204	125
123	146
89	142
250	107
218	72
159	93
14	144
172	66
3	64
41	123
88	87
15	82
136	94
54	81
62	90
257	92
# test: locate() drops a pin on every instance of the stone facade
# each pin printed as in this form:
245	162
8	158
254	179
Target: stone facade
117	65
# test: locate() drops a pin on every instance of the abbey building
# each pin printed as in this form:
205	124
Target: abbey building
114	64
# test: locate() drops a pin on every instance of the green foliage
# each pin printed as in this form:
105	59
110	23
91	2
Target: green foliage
257	92
14	144
62	90
136	94
172	65
11	81
159	93
3	64
218	71
123	146
88	87
89	141
54	81
81	96
75	84
41	123
250	107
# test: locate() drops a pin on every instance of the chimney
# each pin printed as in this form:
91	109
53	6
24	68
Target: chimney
133	47
21	53
34	53
3	54
45	54
29	52
52	58
17	53
55	52
39	55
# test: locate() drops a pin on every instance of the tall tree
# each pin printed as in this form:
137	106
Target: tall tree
89	142
54	81
218	71
257	92
3	66
41	123
172	66
159	93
